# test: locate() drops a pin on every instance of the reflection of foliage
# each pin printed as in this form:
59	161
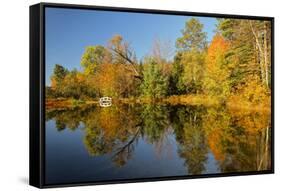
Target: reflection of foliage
65	118
239	140
124	153
191	136
155	121
107	130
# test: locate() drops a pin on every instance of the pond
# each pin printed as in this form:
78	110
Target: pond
88	144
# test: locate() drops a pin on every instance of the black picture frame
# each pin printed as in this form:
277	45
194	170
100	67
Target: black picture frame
37	93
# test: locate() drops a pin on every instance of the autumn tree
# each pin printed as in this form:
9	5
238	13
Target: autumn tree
217	74
249	56
262	35
124	54
74	85
105	79
250	50
251	93
238	54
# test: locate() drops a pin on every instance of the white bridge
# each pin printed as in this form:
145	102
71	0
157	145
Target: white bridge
105	101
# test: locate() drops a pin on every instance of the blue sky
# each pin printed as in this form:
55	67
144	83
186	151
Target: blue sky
69	31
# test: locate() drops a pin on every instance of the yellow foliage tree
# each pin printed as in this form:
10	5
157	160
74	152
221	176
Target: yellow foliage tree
253	94
216	76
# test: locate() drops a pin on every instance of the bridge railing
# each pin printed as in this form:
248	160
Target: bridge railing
105	101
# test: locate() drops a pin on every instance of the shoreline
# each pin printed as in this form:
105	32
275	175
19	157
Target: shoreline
198	100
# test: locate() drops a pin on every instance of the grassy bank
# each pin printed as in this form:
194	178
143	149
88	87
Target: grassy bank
172	100
67	103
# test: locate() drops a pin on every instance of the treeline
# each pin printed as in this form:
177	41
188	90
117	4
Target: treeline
234	66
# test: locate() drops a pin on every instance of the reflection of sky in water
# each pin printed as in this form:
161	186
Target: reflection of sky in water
211	164
67	159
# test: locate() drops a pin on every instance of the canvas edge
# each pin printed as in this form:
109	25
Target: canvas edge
37	94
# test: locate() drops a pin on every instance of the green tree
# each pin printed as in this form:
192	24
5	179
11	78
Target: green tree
193	37
190	80
74	85
175	84
154	83
59	74
57	79
92	57
249	54
192	46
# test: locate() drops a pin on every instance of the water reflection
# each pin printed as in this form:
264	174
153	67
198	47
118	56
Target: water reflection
237	140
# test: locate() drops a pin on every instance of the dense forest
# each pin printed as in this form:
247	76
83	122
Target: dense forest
233	69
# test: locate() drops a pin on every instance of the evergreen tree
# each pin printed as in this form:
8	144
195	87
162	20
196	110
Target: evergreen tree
154	83
193	37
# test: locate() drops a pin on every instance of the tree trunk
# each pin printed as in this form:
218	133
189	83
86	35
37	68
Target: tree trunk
265	54
261	53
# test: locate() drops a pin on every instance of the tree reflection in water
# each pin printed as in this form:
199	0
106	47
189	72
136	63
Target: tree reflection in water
239	140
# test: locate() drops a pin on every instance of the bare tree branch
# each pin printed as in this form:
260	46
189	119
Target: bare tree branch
125	55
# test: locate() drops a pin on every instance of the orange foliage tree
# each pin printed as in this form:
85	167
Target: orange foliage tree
217	73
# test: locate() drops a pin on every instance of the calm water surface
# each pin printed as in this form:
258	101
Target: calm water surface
141	141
